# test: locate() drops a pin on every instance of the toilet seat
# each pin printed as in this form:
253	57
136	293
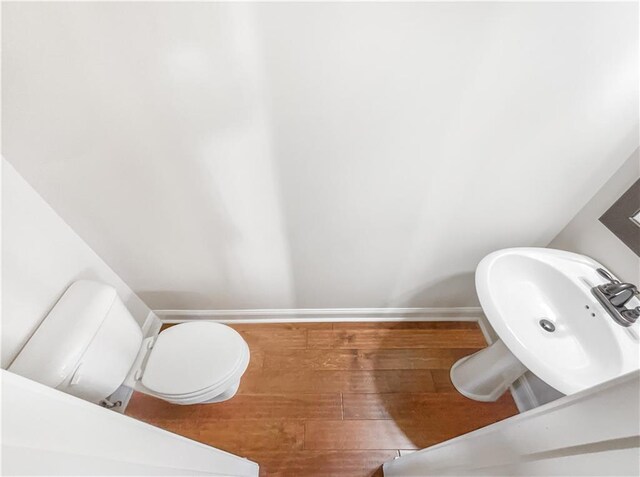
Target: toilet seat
194	362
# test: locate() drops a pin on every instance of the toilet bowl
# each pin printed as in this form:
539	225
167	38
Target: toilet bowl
89	345
191	363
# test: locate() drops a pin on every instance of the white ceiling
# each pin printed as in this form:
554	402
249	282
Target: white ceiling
316	155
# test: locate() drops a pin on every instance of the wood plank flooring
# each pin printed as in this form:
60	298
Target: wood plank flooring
323	399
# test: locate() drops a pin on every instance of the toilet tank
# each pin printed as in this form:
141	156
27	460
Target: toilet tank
85	346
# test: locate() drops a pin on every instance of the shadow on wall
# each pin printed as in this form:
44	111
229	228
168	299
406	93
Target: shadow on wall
455	290
182	192
232	162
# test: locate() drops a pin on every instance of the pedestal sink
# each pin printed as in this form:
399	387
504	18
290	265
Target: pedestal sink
540	304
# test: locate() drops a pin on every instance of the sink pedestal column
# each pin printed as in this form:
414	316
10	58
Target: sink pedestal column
487	374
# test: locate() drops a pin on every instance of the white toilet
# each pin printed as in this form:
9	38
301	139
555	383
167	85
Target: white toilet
89	345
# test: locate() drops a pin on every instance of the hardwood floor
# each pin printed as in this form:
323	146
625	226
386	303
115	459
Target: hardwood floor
322	399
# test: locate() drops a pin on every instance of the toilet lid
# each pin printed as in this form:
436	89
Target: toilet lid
191	357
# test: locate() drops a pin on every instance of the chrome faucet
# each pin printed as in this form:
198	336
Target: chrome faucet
614	296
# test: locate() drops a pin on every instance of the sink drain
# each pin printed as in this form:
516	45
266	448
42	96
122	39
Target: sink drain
547	325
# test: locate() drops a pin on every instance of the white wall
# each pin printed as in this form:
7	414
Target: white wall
47	432
585	234
283	155
41	257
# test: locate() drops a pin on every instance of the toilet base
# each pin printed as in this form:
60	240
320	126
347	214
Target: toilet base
487	374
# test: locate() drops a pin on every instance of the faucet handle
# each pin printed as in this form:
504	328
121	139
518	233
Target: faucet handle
606	275
632	315
620	293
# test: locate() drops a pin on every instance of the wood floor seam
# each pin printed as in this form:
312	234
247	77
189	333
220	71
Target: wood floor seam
304	435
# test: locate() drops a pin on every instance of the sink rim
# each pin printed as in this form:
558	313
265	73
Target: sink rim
530	358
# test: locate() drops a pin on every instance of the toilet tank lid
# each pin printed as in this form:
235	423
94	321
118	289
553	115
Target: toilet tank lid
56	347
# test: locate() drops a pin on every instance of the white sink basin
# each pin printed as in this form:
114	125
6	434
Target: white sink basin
518	287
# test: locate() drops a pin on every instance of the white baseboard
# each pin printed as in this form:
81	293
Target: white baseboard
322	315
523	394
